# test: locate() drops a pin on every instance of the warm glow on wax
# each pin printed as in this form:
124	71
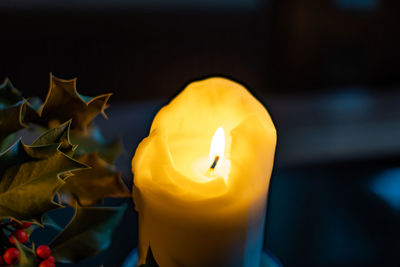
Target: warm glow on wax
201	178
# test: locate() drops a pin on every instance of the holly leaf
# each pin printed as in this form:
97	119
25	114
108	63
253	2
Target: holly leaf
13	156
93	141
150	261
27	190
6	142
31	175
9	95
49	222
17	154
11	119
88	233
90	186
14	110
63	102
11	109
59	135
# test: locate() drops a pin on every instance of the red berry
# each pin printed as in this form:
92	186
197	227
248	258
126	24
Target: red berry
52	259
11	239
11	256
20	235
43	252
18	225
47	263
25	225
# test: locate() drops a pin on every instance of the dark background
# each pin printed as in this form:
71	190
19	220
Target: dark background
327	70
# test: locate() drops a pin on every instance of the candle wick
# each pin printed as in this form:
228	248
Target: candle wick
214	164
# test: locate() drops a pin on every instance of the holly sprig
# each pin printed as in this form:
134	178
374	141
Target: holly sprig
15	249
54	171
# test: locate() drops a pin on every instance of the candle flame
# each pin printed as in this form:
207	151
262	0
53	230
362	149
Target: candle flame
217	148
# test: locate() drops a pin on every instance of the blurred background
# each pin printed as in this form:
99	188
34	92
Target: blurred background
328	71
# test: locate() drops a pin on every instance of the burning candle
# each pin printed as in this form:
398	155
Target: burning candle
201	178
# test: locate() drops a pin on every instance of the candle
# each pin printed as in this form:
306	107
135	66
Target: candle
201	178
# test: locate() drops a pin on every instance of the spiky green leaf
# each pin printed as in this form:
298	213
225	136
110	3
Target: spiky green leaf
63	102
90	186
31	175
88	233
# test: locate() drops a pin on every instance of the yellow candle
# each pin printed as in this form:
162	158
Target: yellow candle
201	178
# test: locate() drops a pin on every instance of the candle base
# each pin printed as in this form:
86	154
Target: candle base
267	260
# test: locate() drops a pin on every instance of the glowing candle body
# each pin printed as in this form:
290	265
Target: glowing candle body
192	215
